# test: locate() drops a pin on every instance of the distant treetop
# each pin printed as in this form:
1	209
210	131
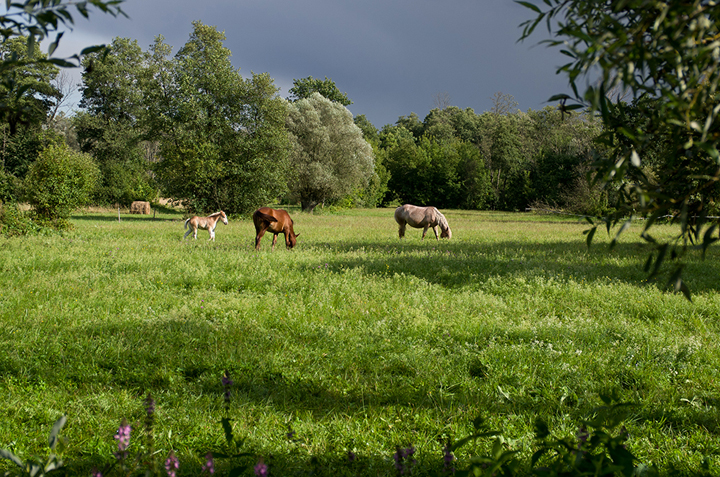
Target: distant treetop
305	87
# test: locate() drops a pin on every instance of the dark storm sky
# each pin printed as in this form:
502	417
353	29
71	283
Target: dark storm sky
390	57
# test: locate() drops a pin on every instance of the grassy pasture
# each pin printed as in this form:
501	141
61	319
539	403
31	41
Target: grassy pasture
354	341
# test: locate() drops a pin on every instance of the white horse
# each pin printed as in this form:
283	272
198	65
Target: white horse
425	217
206	223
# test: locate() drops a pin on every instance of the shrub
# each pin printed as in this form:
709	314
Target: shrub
60	181
14	223
9	186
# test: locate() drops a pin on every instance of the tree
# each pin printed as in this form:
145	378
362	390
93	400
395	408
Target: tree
370	132
441	100
304	88
60	181
30	22
113	125
27	96
330	158
503	104
666	51
223	144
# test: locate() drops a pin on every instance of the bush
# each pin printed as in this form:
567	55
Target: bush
14	223
60	181
9	187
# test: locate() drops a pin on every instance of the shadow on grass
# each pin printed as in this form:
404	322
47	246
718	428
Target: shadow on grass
458	265
126	218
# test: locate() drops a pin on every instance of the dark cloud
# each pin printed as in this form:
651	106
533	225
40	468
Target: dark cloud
390	57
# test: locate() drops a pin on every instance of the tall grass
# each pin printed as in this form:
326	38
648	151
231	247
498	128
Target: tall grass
353	342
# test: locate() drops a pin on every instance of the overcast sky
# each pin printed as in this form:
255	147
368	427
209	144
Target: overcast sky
391	57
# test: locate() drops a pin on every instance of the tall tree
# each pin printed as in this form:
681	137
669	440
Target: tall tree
27	96
667	51
111	128
223	142
330	158
304	88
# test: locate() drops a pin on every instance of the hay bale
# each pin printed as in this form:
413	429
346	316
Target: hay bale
140	207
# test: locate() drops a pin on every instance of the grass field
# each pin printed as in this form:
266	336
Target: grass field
353	342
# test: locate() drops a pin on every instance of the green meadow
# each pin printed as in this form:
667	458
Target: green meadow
355	341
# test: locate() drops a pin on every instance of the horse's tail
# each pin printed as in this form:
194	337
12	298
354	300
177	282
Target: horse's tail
263	216
186	222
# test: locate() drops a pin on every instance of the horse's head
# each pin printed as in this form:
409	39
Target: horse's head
291	240
223	217
445	233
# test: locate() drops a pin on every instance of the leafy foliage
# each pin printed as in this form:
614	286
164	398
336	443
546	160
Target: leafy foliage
330	158
665	55
304	88
36	466
60	181
222	138
114	125
29	22
26	92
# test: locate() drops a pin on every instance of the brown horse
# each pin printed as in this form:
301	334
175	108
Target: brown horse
206	223
277	222
425	217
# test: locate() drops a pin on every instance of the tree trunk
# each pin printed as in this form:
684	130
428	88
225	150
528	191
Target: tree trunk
308	205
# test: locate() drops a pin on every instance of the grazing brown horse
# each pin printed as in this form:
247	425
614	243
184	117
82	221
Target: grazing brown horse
425	217
277	222
206	223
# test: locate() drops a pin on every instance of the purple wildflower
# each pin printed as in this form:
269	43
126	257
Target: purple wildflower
209	466
403	459
149	405
448	458
95	473
172	464
261	469
582	436
227	382
351	456
123	438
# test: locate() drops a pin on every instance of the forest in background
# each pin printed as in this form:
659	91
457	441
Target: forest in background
190	127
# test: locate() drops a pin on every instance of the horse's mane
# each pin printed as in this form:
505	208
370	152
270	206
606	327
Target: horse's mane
442	221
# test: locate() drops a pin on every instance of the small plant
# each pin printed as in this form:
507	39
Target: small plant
500	461
37	467
598	448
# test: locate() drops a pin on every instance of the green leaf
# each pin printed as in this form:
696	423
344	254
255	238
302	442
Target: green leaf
529	5
590	234
55	431
6	454
708	238
559	97
648	263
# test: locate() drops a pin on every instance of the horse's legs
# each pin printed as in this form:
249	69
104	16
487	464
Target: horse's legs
274	241
401	230
260	231
425	231
436	234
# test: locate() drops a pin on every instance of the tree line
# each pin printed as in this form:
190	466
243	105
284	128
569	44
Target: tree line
191	128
